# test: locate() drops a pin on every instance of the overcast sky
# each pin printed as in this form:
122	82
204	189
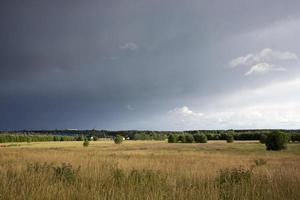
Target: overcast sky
158	65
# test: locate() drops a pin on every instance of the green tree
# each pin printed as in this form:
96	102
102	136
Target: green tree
276	141
262	138
189	138
86	143
118	139
229	138
172	138
200	138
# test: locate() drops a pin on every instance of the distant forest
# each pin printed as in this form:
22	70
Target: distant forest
80	135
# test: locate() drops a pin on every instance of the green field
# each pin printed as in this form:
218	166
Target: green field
148	170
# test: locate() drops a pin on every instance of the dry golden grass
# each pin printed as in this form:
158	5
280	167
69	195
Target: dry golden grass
147	170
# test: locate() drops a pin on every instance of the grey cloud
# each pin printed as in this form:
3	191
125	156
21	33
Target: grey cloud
265	55
61	65
262	62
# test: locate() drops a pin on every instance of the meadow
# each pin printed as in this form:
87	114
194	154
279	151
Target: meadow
148	170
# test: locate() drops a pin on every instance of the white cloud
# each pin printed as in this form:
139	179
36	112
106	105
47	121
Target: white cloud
274	106
130	46
186	111
243	60
262	68
262	62
264	56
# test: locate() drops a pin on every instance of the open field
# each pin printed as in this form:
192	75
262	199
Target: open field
148	170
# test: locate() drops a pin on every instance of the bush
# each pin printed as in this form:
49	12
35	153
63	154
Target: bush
262	138
65	173
86	143
276	141
234	176
200	138
229	138
172	138
189	138
62	173
118	139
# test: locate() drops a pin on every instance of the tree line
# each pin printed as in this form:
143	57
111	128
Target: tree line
81	135
33	138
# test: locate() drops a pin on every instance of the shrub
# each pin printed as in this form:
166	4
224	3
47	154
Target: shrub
200	138
86	143
189	138
118	139
229	138
262	138
172	138
234	176
65	173
276	141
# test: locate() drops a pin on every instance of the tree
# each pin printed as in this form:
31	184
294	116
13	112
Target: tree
86	143
189	138
95	138
262	138
118	139
276	140
172	138
229	138
55	138
200	138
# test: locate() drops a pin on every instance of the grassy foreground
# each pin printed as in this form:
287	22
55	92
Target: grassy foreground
148	170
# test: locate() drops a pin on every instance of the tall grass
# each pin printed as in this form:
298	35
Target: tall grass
149	170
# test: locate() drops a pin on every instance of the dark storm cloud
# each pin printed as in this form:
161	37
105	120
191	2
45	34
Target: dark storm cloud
81	63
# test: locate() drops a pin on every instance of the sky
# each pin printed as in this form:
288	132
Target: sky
155	65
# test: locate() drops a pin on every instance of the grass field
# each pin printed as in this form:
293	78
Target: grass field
148	170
